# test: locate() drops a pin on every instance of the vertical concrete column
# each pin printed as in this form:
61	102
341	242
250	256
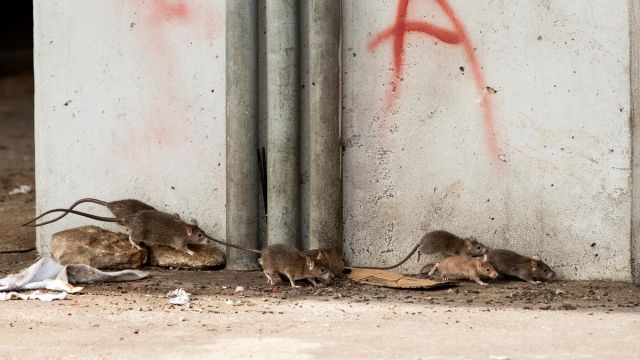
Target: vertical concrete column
283	125
242	131
325	193
635	137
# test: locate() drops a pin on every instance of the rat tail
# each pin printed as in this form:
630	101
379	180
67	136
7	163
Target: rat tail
396	264
66	211
233	245
17	251
84	200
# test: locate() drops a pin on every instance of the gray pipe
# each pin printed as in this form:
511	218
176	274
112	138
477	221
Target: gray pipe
242	132
283	126
325	193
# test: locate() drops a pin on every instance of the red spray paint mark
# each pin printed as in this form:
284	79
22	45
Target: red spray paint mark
163	10
458	36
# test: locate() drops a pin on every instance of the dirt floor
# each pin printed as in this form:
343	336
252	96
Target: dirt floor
507	320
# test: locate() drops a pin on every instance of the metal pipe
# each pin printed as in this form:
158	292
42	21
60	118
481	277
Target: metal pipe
283	126
242	132
325	193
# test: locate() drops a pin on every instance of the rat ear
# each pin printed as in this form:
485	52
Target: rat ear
534	264
484	258
189	230
469	243
536	257
310	263
319	257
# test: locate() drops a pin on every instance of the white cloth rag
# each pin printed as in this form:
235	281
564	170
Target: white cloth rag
46	273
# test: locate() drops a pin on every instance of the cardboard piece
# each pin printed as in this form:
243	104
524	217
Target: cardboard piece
393	279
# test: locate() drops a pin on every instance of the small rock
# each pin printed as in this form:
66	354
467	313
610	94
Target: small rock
96	247
205	257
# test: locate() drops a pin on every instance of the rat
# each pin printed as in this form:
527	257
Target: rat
329	258
445	242
287	260
291	262
528	269
153	227
120	210
465	266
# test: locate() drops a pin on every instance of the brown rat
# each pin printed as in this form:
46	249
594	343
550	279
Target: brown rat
445	242
153	227
465	266
291	262
330	258
528	269
120	210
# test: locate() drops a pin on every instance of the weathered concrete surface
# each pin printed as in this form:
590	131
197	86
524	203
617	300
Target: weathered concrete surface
93	246
204	257
112	327
634	69
552	80
130	104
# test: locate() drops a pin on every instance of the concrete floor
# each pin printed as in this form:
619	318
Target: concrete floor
97	327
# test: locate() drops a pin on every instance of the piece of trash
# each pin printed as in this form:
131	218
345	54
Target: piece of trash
36	295
558	292
22	189
179	297
239	289
393	279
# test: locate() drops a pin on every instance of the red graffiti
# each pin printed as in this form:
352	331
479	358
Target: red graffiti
458	36
164	11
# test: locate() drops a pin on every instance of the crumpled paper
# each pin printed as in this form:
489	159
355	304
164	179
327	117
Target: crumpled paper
23	189
36	295
46	273
179	297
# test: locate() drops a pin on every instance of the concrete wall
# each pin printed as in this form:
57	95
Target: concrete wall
130	103
504	120
517	133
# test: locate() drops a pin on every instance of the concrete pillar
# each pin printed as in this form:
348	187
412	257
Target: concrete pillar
283	126
242	132
635	137
325	193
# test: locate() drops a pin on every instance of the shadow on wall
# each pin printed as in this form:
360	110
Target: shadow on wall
16	42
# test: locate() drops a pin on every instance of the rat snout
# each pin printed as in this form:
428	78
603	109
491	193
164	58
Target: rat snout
327	276
551	274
